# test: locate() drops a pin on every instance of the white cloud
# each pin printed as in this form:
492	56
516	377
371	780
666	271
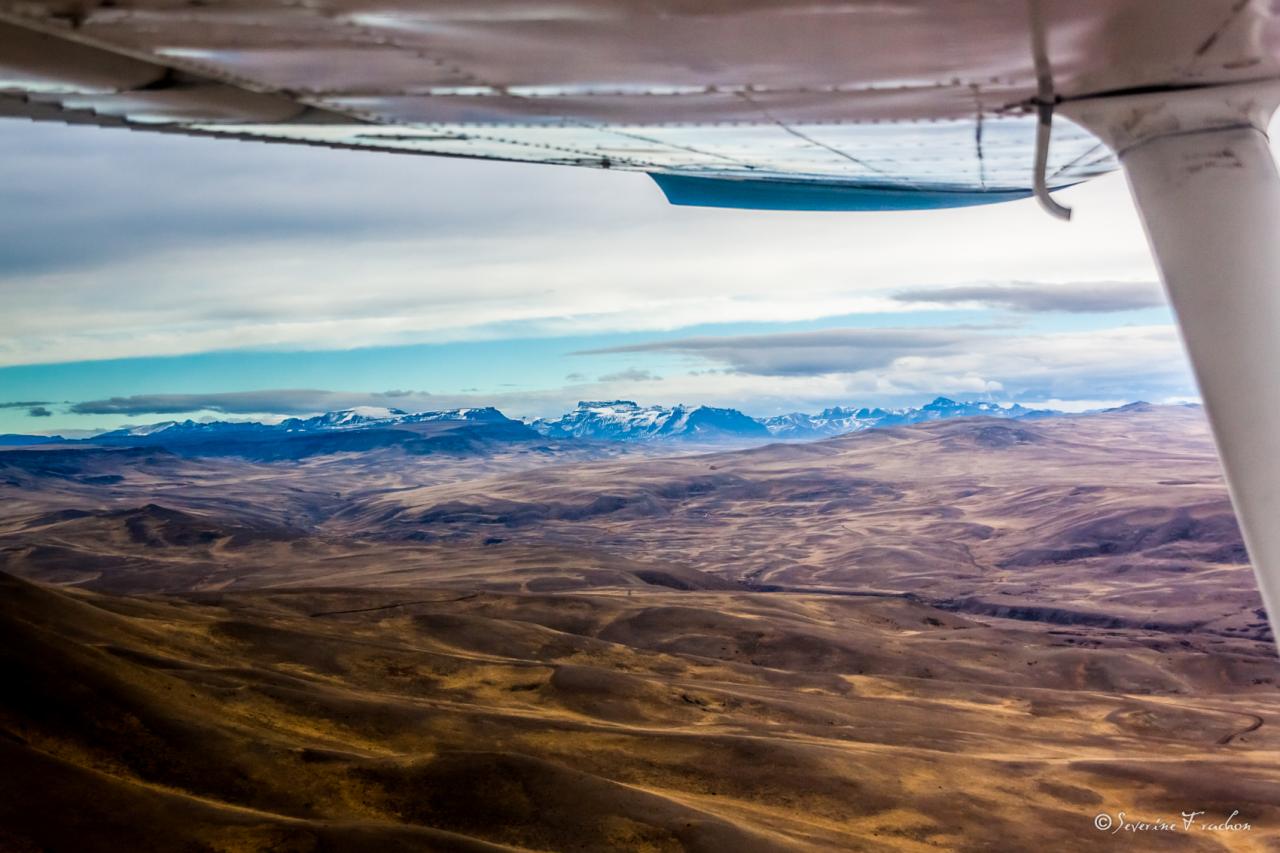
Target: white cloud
1088	297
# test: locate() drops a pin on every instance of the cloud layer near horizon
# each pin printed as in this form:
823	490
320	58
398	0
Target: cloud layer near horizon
805	353
765	374
1086	297
280	401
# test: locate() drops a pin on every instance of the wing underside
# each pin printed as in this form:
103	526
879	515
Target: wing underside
766	103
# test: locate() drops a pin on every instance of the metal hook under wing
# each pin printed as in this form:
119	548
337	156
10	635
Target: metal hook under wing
1044	128
1045	100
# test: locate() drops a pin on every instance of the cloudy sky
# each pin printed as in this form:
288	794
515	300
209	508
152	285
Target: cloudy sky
152	277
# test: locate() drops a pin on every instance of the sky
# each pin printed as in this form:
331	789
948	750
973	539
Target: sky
148	278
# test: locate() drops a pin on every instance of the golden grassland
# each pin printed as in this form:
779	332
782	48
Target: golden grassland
961	636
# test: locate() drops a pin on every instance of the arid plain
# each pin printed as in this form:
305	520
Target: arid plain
967	635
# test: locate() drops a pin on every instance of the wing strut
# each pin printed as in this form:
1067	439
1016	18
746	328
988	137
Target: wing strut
1205	183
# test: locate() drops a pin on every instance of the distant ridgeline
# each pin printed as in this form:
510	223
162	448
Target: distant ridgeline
624	420
366	428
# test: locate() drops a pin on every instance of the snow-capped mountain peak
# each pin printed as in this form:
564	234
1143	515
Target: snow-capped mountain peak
360	416
626	420
146	429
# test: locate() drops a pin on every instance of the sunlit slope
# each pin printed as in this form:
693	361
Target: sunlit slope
662	720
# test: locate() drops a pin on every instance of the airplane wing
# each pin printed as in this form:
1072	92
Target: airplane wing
876	104
782	104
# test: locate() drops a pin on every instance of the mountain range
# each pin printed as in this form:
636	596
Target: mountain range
611	420
624	420
454	432
363	417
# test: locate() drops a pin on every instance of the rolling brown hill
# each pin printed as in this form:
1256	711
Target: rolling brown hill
432	719
969	635
1112	519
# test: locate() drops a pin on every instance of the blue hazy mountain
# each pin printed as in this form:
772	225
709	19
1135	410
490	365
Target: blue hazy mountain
839	420
456	431
364	417
18	440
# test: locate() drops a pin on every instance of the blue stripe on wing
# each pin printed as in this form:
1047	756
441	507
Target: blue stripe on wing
773	194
